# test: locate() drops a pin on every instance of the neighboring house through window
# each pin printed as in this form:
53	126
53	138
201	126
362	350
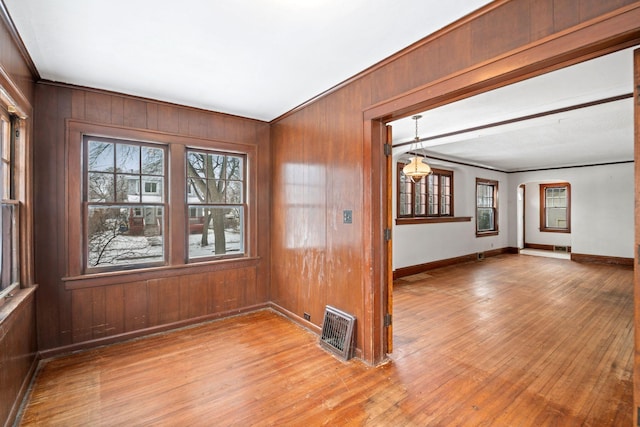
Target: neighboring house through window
555	207
124	227
486	207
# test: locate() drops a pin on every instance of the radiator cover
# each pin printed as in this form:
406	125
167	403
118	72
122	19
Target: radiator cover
337	332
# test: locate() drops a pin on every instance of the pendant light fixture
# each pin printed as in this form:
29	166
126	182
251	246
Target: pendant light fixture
416	169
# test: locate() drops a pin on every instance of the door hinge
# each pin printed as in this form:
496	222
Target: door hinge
387	320
387	149
387	234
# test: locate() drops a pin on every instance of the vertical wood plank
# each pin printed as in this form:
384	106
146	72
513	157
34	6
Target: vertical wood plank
135	113
77	104
117	110
135	306
114	310
168	119
99	314
82	315
98	107
197	295
152	116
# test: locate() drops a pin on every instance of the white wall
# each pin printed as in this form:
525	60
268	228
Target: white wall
415	244
602	222
602	199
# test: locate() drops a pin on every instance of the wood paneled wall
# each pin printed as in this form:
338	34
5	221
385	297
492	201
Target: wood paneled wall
323	161
18	346
75	313
18	349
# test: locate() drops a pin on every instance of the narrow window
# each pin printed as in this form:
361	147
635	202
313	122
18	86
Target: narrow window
555	207
486	207
124	225
215	203
9	211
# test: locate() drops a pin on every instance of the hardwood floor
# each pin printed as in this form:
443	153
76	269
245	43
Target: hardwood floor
509	341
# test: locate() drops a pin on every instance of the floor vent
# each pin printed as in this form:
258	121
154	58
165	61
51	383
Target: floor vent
337	332
564	249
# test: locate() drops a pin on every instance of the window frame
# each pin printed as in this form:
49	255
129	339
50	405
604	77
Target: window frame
402	180
191	190
138	209
495	229
543	207
11	242
75	278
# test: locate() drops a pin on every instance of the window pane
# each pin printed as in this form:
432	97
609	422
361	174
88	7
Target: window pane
127	188
215	166
152	161
101	156
9	254
485	219
127	158
122	235
556	218
152	189
215	231
101	187
234	168
195	164
234	192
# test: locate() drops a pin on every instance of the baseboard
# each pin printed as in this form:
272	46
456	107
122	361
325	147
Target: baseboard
23	395
85	345
295	318
602	259
421	268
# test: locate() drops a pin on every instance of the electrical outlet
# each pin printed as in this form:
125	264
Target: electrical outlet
347	217
307	316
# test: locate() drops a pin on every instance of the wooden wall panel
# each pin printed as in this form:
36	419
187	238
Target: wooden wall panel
308	271
18	349
79	316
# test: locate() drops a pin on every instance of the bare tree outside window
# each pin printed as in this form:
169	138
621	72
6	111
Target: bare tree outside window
125	225
215	191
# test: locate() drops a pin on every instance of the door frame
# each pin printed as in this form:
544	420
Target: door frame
603	35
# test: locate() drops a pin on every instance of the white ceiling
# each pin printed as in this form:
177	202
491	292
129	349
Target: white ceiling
253	58
597	134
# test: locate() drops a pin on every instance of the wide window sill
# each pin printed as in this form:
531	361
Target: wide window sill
116	277
554	230
17	298
487	233
432	220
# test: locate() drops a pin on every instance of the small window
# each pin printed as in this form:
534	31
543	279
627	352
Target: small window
432	196
555	207
486	207
215	203
124	228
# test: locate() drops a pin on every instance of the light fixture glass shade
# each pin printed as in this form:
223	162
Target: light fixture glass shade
416	169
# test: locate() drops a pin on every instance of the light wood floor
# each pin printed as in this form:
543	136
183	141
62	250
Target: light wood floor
509	341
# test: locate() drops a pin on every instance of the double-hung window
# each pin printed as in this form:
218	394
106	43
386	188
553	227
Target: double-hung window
124	203
216	196
486	207
555	207
432	196
9	212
